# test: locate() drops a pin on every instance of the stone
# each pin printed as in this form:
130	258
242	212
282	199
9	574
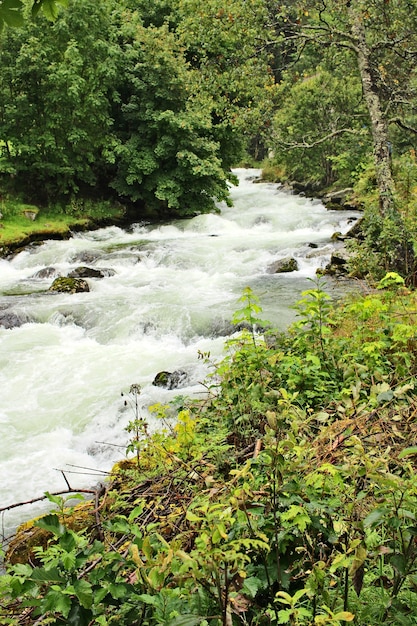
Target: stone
90	272
65	284
170	380
10	319
45	272
288	264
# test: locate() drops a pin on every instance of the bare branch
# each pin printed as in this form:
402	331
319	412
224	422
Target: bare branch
304	144
44	497
403	125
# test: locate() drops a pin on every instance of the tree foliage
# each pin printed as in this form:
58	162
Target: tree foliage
380	38
131	99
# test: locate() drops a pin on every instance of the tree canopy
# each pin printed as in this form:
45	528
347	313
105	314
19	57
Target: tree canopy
153	104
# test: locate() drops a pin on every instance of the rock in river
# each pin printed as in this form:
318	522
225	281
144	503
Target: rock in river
289	264
65	284
170	380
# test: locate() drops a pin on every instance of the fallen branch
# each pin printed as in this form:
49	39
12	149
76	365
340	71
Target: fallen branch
45	497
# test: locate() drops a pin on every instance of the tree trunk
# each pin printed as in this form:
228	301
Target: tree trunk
379	126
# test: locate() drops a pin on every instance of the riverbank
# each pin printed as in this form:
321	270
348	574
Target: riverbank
294	471
22	224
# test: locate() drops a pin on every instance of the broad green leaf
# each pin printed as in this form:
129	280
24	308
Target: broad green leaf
52	524
375	517
41	574
11	12
399	562
84	593
57	602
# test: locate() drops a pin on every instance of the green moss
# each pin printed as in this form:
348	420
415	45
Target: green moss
17	226
65	284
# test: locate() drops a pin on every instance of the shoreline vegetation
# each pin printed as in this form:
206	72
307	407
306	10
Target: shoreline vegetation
22	224
287	496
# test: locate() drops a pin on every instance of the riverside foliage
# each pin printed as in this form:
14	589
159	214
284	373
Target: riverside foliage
149	104
287	497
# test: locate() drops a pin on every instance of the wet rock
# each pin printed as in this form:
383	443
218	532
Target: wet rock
65	284
90	272
341	199
10	319
338	263
45	272
356	231
86	257
170	380
221	328
288	264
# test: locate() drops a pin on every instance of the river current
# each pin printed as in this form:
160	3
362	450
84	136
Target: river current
168	293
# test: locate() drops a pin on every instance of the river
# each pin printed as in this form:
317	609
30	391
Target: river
168	292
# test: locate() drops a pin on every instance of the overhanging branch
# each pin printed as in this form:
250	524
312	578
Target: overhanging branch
403	125
304	144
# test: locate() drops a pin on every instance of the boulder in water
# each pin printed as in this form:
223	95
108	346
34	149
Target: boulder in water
338	265
65	284
170	380
288	264
45	272
90	272
10	319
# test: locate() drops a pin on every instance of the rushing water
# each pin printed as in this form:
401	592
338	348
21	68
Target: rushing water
170	293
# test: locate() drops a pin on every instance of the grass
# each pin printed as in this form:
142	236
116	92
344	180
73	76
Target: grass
17	226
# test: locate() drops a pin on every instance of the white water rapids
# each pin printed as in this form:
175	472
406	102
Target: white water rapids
173	290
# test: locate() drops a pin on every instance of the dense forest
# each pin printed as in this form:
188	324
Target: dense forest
289	495
150	105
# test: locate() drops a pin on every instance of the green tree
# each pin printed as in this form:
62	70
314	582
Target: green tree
381	37
54	99
227	48
307	129
165	155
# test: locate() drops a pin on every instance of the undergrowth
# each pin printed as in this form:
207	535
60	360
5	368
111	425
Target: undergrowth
288	496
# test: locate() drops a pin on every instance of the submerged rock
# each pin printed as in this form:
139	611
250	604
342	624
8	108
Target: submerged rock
45	272
10	319
170	380
288	264
66	284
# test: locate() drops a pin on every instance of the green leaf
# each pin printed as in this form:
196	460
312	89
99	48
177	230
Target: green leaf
117	590
11	12
78	616
252	585
67	541
68	560
385	396
52	524
399	562
375	517
84	593
57	602
148	599
41	574
408	452
284	616
49	9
